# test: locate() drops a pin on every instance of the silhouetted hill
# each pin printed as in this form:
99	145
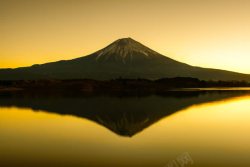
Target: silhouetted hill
124	58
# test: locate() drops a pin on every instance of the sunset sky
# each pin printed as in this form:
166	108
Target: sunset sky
207	33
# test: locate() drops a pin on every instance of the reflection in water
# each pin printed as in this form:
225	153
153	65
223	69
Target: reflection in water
125	116
211	127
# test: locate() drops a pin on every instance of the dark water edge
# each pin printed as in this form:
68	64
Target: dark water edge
122	86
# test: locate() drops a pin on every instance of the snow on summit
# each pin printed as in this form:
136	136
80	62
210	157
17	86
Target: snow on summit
125	49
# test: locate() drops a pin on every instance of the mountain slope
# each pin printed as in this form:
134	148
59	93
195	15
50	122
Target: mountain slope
124	58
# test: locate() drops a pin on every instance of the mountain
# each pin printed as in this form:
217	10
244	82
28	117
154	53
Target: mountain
124	58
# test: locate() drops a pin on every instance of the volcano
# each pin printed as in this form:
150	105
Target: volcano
124	58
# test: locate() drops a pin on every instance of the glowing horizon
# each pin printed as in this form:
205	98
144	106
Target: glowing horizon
207	33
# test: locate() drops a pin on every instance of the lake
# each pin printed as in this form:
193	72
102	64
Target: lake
177	129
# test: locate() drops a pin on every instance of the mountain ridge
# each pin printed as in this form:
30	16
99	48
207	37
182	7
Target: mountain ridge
124	58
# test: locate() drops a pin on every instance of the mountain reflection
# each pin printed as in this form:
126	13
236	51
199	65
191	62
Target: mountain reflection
123	115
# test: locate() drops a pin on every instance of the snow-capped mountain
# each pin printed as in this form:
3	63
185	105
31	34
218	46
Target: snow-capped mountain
125	50
124	58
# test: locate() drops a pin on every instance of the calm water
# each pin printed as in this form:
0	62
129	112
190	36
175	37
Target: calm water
210	128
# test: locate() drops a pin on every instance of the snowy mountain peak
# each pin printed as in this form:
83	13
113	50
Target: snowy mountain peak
125	49
125	41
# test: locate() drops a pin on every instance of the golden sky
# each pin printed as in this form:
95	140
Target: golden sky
207	33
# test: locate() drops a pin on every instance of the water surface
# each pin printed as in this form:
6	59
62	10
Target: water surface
212	127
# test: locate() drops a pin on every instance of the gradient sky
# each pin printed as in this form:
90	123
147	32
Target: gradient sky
207	33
